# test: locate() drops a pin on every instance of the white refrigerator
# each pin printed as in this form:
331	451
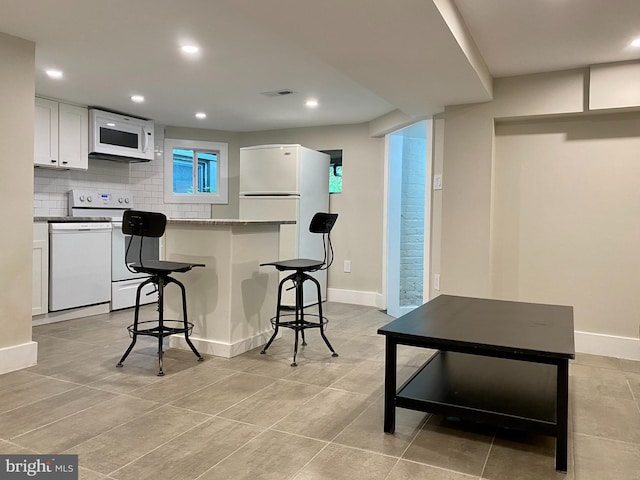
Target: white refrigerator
287	182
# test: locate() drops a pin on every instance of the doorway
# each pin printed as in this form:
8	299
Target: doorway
408	171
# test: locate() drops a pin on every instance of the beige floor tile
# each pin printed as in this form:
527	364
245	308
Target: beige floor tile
227	392
126	443
270	456
367	431
342	463
634	384
80	427
602	417
405	470
630	365
10	448
272	403
169	388
596	360
15	379
453	445
43	412
599	458
603	382
366	378
86	474
319	373
326	415
126	381
37	389
532	456
192	453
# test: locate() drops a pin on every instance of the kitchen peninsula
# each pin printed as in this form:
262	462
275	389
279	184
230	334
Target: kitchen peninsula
230	301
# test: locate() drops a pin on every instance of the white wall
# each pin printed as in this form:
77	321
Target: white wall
545	211
16	171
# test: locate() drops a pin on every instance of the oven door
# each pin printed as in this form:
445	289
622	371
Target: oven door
119	244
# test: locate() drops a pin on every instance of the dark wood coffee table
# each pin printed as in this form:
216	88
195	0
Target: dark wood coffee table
499	362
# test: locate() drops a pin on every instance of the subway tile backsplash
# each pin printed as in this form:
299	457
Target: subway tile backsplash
144	180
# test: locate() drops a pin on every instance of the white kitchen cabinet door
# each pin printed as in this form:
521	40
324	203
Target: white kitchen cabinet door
73	137
40	269
46	133
61	137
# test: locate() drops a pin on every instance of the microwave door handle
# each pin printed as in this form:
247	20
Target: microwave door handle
146	140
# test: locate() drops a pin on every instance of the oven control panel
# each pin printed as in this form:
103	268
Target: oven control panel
87	198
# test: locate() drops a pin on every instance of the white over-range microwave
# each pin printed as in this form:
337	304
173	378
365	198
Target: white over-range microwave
117	137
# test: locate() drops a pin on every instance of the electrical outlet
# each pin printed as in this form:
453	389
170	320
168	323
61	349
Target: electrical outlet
347	266
436	281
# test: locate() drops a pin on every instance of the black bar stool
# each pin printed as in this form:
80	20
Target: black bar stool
301	267
152	225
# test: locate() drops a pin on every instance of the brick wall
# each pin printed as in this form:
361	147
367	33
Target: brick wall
412	225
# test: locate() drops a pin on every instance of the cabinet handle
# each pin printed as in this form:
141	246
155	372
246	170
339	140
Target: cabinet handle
54	161
64	162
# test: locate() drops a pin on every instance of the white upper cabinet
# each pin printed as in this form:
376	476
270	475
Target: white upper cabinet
46	133
61	135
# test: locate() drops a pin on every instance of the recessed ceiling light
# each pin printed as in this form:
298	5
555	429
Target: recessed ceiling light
636	43
191	49
137	98
201	115
311	103
54	73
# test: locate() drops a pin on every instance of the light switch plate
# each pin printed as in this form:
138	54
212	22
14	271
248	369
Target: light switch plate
437	182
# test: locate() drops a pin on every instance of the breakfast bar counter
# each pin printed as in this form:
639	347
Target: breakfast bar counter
231	300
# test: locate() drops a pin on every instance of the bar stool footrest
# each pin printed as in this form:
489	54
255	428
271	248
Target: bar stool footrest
169	327
297	324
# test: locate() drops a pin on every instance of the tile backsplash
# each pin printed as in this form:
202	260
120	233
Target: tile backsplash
144	180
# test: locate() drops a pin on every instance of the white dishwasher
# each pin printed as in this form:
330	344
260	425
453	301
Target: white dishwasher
79	264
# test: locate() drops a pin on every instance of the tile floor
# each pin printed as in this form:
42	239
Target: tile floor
255	417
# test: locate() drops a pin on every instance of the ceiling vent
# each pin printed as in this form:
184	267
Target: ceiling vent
278	93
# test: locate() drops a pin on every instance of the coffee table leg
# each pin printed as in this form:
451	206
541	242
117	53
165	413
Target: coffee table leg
390	385
562	415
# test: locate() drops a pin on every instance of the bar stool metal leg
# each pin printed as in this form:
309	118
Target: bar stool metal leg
184	317
161	284
324	337
135	322
277	320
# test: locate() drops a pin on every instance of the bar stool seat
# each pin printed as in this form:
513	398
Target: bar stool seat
152	224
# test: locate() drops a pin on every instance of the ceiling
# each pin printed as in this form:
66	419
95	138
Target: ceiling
359	58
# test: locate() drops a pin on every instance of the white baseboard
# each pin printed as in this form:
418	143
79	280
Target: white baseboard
18	357
608	345
357	297
71	314
221	349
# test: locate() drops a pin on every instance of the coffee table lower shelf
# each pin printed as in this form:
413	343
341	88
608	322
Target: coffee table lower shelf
502	392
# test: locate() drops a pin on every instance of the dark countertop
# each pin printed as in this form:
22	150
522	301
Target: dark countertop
71	219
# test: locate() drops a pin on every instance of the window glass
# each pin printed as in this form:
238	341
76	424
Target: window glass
182	171
335	170
196	171
207	172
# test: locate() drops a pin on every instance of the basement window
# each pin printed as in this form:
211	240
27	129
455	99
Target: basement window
335	170
195	171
